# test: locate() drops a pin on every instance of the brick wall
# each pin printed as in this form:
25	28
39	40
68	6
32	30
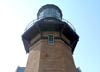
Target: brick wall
50	58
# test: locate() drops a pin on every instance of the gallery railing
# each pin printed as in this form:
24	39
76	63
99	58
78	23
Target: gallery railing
64	20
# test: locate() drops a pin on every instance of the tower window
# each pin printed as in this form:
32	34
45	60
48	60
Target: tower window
50	39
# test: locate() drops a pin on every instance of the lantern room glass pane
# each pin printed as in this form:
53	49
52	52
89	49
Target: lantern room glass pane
50	12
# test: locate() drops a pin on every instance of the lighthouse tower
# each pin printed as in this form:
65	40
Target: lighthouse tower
50	42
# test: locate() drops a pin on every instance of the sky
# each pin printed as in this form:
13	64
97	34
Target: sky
83	14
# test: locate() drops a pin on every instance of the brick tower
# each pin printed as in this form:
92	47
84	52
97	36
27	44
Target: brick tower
50	42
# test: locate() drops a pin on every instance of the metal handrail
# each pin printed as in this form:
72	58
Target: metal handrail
72	27
64	20
30	24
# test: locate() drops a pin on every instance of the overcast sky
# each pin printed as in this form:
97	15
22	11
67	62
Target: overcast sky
83	14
